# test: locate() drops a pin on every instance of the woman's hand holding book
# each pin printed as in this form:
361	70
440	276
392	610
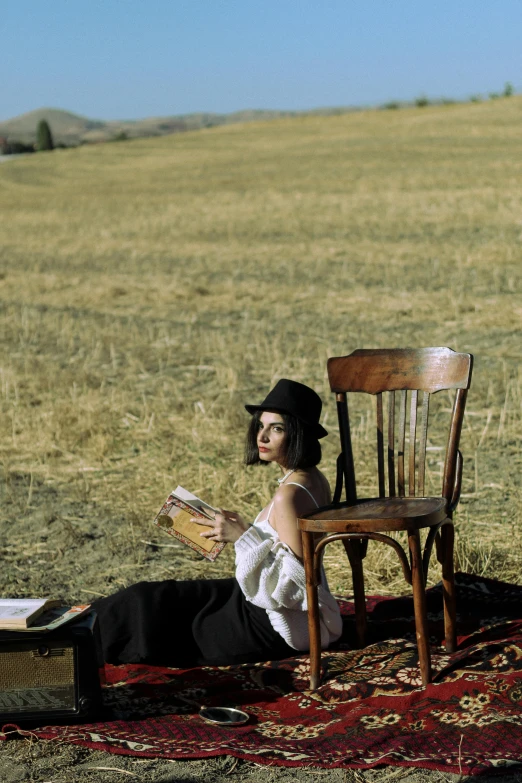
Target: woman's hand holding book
226	526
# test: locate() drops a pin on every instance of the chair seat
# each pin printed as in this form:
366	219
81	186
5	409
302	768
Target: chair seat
377	514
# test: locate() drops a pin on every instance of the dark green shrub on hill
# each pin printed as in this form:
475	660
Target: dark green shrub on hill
44	137
15	148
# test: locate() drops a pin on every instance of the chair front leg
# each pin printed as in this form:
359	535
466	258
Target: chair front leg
314	628
419	604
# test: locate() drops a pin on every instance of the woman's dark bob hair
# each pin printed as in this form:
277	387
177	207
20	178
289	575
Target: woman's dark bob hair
302	448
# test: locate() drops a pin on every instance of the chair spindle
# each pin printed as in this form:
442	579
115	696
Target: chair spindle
413	433
391	443
422	442
401	443
346	445
380	445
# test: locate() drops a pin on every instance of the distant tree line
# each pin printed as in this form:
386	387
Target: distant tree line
423	100
45	142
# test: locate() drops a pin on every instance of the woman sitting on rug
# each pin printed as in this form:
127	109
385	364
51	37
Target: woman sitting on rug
261	613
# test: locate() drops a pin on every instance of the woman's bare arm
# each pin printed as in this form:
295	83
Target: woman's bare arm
290	502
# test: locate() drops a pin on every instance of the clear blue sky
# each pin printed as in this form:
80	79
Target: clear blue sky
125	59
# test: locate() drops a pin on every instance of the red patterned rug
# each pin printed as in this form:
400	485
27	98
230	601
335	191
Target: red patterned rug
370	709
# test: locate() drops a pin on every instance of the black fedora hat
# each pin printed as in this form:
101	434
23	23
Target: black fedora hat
297	399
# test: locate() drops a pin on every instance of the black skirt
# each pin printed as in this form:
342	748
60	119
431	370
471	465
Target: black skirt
185	624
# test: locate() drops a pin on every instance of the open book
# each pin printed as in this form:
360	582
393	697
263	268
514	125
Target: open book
18	613
175	517
36	614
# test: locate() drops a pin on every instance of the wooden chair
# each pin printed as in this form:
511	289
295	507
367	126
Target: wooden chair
402	373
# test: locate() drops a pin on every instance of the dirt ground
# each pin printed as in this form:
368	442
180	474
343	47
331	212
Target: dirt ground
41	762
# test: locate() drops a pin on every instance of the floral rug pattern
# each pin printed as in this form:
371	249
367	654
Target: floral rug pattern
369	710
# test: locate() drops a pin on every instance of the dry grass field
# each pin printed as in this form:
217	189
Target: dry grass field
148	289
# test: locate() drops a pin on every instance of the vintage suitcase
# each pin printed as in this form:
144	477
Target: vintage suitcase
51	677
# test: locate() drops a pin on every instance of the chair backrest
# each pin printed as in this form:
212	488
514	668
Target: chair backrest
402	373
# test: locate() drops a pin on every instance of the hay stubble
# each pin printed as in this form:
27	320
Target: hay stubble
150	288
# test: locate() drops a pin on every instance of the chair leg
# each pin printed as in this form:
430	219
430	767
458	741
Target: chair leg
314	628
447	534
419	604
355	556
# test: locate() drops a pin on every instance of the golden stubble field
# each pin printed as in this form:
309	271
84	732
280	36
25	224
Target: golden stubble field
150	288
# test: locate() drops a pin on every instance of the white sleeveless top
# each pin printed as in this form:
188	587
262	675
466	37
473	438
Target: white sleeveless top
273	578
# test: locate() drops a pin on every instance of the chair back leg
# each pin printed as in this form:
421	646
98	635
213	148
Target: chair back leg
356	553
314	628
447	538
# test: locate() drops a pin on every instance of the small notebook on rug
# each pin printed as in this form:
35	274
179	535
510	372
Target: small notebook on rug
175	517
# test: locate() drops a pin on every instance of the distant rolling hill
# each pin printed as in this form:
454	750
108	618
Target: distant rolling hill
71	129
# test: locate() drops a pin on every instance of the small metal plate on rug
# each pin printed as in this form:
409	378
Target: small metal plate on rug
224	716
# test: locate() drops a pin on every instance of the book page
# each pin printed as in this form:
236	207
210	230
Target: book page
28	603
194	501
13	613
